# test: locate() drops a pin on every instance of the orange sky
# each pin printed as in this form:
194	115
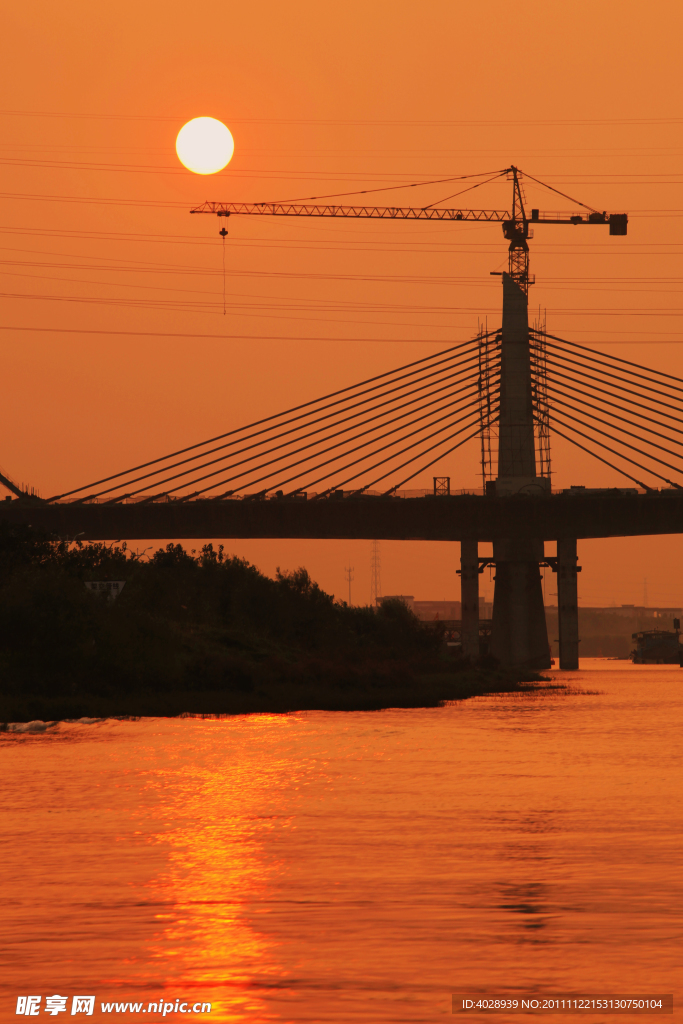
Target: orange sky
320	98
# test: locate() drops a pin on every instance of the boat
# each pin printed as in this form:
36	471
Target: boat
658	646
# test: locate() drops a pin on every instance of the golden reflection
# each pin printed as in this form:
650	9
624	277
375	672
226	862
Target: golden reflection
218	872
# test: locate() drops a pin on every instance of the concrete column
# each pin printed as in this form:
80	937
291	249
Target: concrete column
519	637
469	597
516	455
568	603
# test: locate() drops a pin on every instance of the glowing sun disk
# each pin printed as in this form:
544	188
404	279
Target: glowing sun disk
204	145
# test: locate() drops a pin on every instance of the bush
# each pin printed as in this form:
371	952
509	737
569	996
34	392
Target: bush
195	631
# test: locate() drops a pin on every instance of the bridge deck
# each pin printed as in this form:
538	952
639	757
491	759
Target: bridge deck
455	517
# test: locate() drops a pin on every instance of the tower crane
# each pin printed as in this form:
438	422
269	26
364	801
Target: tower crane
517	225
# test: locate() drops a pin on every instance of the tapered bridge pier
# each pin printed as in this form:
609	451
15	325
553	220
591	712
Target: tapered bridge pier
519	635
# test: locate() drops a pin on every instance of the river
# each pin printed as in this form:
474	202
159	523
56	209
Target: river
350	867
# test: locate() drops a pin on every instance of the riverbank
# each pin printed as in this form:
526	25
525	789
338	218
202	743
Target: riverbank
204	633
347	694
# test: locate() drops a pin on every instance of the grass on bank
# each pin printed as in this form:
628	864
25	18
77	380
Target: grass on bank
204	633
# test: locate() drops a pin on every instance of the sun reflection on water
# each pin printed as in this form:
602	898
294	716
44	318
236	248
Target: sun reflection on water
218	877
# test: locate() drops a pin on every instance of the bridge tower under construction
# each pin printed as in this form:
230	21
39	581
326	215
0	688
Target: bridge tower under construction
519	634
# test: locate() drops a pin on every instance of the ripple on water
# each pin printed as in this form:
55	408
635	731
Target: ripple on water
350	867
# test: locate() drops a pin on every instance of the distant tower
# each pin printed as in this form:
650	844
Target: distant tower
348	572
375	575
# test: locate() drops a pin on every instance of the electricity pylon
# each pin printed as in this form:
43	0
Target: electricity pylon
348	572
375	575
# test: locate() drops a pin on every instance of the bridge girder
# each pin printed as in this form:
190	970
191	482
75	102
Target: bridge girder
443	518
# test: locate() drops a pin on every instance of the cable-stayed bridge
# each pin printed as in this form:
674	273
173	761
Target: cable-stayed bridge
345	465
341	466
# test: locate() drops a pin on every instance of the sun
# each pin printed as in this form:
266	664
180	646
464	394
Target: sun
204	145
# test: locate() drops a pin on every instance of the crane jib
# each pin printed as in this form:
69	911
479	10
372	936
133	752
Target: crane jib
617	221
381	212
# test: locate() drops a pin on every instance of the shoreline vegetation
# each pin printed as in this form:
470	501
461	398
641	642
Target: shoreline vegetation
204	633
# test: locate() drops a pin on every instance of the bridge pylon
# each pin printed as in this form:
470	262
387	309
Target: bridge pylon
519	635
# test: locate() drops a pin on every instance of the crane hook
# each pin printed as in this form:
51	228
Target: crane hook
223	233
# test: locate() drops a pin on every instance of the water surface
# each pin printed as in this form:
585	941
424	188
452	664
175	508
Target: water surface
354	867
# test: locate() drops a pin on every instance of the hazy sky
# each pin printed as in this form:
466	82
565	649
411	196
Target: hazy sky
321	98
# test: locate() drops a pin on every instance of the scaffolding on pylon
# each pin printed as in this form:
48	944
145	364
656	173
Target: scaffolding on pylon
539	395
487	419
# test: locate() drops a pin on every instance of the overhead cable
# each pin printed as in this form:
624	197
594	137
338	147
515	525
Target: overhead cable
394	455
553	418
587	354
568	384
617	359
287	433
582	401
579	368
598	419
460	347
599	457
425	425
289	452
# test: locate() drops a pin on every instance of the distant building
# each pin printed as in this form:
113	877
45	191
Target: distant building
431	611
629	611
608	632
438	611
407	599
605	632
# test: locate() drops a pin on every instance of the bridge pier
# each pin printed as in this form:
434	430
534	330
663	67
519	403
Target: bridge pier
567	602
469	597
519	636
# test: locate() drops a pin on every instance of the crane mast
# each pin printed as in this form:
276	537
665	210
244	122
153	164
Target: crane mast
517	231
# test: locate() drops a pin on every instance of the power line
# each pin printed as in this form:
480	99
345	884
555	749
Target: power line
370	122
298	338
221	337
